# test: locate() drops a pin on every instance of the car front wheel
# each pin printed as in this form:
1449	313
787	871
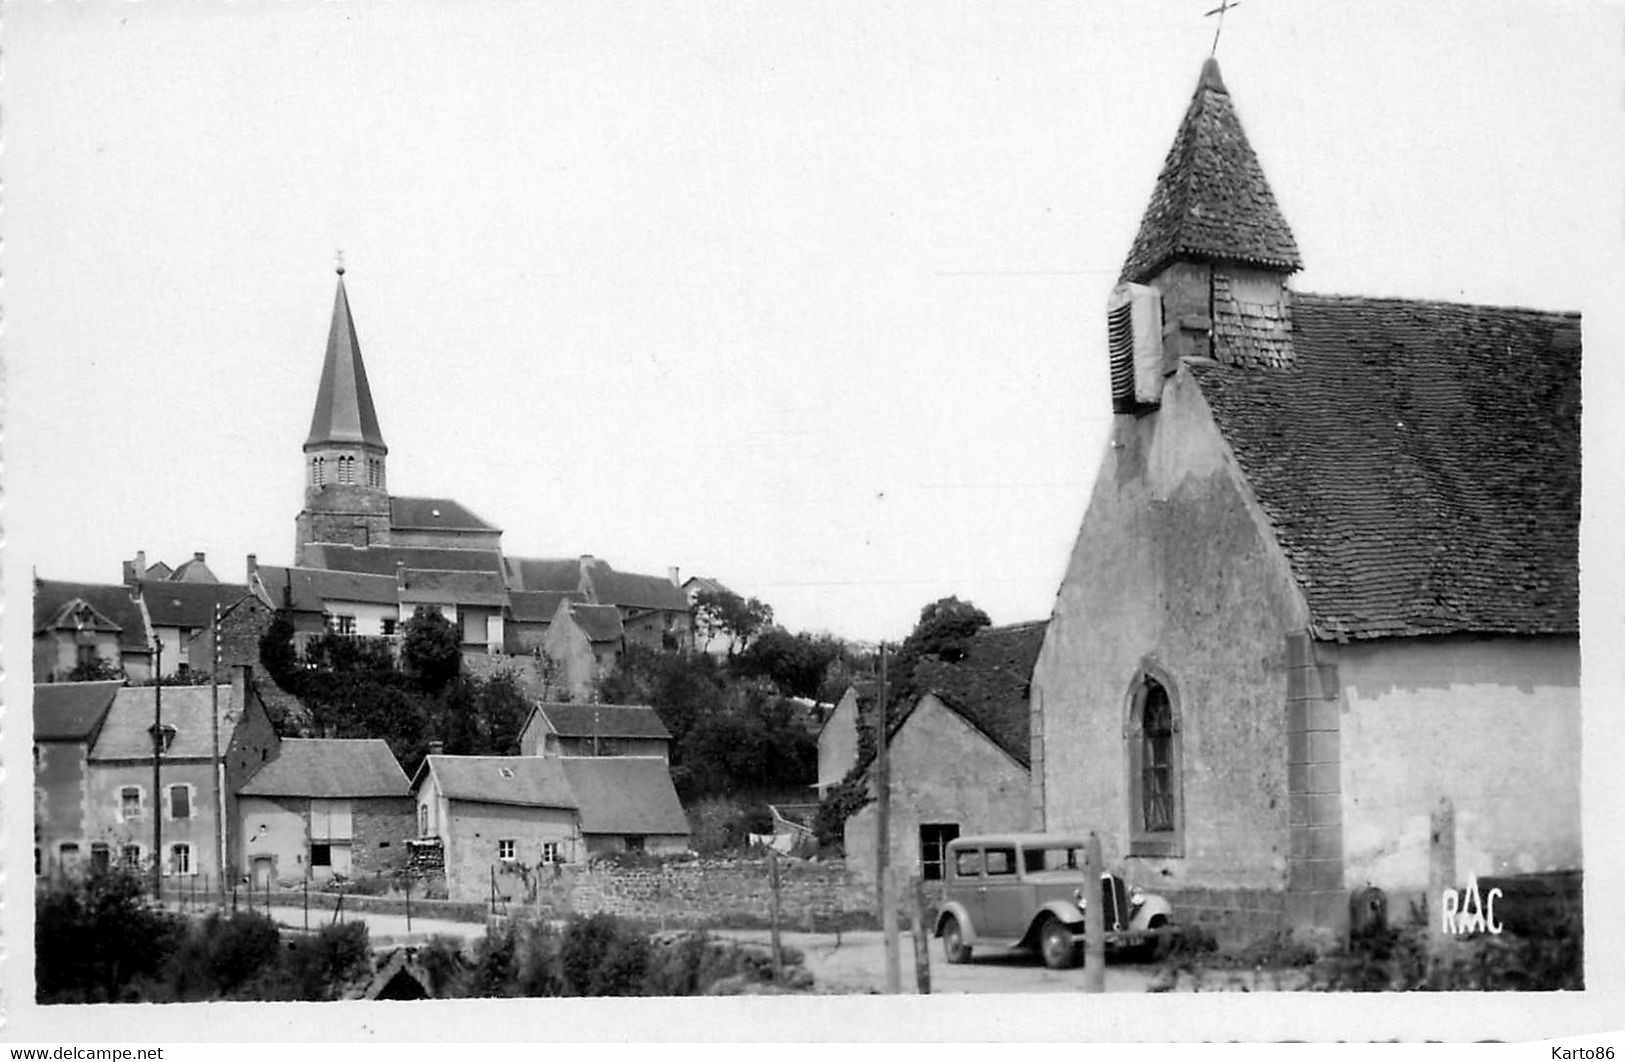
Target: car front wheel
1055	943
953	941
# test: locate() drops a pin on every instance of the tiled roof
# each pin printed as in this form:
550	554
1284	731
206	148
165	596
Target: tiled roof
177	604
600	623
604	720
697	584
528	781
78	614
1420	464
71	711
989	686
126	734
434	514
625	794
193	571
383	560
308	589
536	573
330	768
344	412
1211	201
629	590
112	601
459	588
538	606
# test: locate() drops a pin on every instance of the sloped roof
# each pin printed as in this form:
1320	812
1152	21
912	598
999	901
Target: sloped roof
438	514
600	623
527	781
193	570
1419	462
309	589
625	794
604	720
630	590
990	685
330	768
71	711
383	560
177	604
77	614
538	606
125	734
459	588
111	600
543	574
1211	201
344	412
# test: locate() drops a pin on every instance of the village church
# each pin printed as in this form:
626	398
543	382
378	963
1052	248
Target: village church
1326	581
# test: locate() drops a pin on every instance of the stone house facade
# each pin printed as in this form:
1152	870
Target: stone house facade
1326	579
572	729
68	717
958	756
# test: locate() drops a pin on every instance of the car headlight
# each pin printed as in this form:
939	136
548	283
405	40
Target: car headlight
1136	898
1077	898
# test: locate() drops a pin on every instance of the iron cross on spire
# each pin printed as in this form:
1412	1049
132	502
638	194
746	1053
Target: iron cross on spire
1224	5
338	261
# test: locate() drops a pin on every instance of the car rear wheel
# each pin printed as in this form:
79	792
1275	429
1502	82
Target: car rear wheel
1154	948
953	941
1056	945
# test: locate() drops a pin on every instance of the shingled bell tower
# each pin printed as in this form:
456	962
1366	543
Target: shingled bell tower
1207	275
346	490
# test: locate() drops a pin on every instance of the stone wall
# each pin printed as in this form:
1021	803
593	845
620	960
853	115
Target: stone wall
1235	917
705	891
379	830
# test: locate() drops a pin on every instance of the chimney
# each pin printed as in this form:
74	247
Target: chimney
253	568
198	557
671	573
437	748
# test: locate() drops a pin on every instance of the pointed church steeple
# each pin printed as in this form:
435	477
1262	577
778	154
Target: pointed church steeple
344	413
1212	202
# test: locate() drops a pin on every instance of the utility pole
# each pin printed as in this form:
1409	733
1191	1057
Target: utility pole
218	764
157	790
888	899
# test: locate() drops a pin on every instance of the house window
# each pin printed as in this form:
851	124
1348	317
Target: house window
180	859
505	850
180	801
550	852
321	855
130	803
634	843
86	655
389	627
67	854
423	820
934	838
130	856
341	624
1154	770
39	863
101	857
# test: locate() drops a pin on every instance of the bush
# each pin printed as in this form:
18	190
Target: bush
321	966
600	956
98	938
223	953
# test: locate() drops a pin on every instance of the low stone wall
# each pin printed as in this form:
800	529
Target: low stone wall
1235	917
706	891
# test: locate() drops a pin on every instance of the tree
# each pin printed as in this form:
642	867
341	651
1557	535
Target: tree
723	612
96	937
431	649
97	670
795	663
277	653
945	628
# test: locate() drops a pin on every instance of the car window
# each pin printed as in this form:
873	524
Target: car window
1001	861
968	863
1036	859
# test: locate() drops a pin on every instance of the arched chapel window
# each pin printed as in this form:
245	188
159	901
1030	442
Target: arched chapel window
1155	775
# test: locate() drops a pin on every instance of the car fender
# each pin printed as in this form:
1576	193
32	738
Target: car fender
957	910
1149	909
1065	913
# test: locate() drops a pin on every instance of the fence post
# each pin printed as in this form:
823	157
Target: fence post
1094	919
307	905
409	901
922	953
1441	869
773	881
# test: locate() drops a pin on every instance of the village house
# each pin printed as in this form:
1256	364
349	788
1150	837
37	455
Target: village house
838	738
958	756
584	642
323	808
575	729
85	625
68	717
1326	580
497	818
119	800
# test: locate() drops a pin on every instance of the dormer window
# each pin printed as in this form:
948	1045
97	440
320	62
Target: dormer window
165	736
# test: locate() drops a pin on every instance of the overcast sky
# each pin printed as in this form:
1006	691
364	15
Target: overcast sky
805	297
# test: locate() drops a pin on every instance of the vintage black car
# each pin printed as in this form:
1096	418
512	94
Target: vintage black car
1025	890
